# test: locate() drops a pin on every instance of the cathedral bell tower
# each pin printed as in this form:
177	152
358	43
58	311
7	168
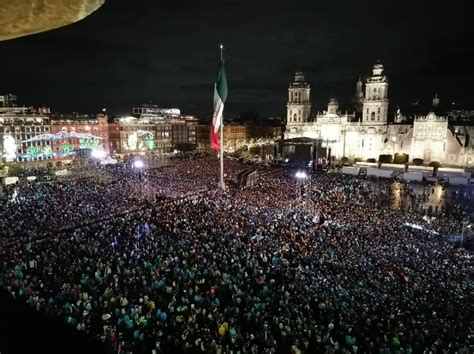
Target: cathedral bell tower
375	108
298	106
358	99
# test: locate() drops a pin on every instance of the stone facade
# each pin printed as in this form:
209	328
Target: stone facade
370	135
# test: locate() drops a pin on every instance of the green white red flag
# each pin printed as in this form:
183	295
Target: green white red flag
220	95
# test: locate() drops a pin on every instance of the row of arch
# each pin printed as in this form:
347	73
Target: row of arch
298	97
376	94
295	117
372	115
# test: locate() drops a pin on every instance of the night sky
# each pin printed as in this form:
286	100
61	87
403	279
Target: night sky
136	51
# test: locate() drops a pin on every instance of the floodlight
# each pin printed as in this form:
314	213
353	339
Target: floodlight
301	175
98	154
138	164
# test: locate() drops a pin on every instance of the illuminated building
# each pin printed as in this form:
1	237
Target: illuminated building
133	135
151	132
18	124
370	134
299	105
84	125
184	130
236	136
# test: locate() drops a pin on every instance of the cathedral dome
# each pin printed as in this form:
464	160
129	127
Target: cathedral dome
431	116
331	115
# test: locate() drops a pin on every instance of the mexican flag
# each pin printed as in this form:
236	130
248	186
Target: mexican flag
220	95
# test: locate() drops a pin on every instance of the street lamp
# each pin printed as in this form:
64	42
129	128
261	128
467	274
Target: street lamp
138	165
300	177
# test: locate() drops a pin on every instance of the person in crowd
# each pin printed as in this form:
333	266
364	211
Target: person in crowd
168	263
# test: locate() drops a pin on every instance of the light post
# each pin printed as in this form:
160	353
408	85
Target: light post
138	165
300	177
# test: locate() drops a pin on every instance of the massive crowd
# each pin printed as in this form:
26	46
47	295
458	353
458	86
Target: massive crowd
162	262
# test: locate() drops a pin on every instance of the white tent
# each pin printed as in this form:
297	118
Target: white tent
108	161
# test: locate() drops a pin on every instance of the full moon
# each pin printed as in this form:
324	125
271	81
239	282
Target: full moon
23	17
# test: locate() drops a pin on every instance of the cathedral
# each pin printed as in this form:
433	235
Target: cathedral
367	133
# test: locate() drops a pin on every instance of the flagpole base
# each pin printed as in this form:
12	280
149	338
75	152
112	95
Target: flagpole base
221	185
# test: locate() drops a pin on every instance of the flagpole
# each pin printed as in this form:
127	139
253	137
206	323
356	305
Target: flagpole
221	153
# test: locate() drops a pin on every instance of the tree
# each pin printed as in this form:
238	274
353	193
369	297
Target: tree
435	164
385	158
372	160
418	162
345	159
14	169
358	159
400	158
